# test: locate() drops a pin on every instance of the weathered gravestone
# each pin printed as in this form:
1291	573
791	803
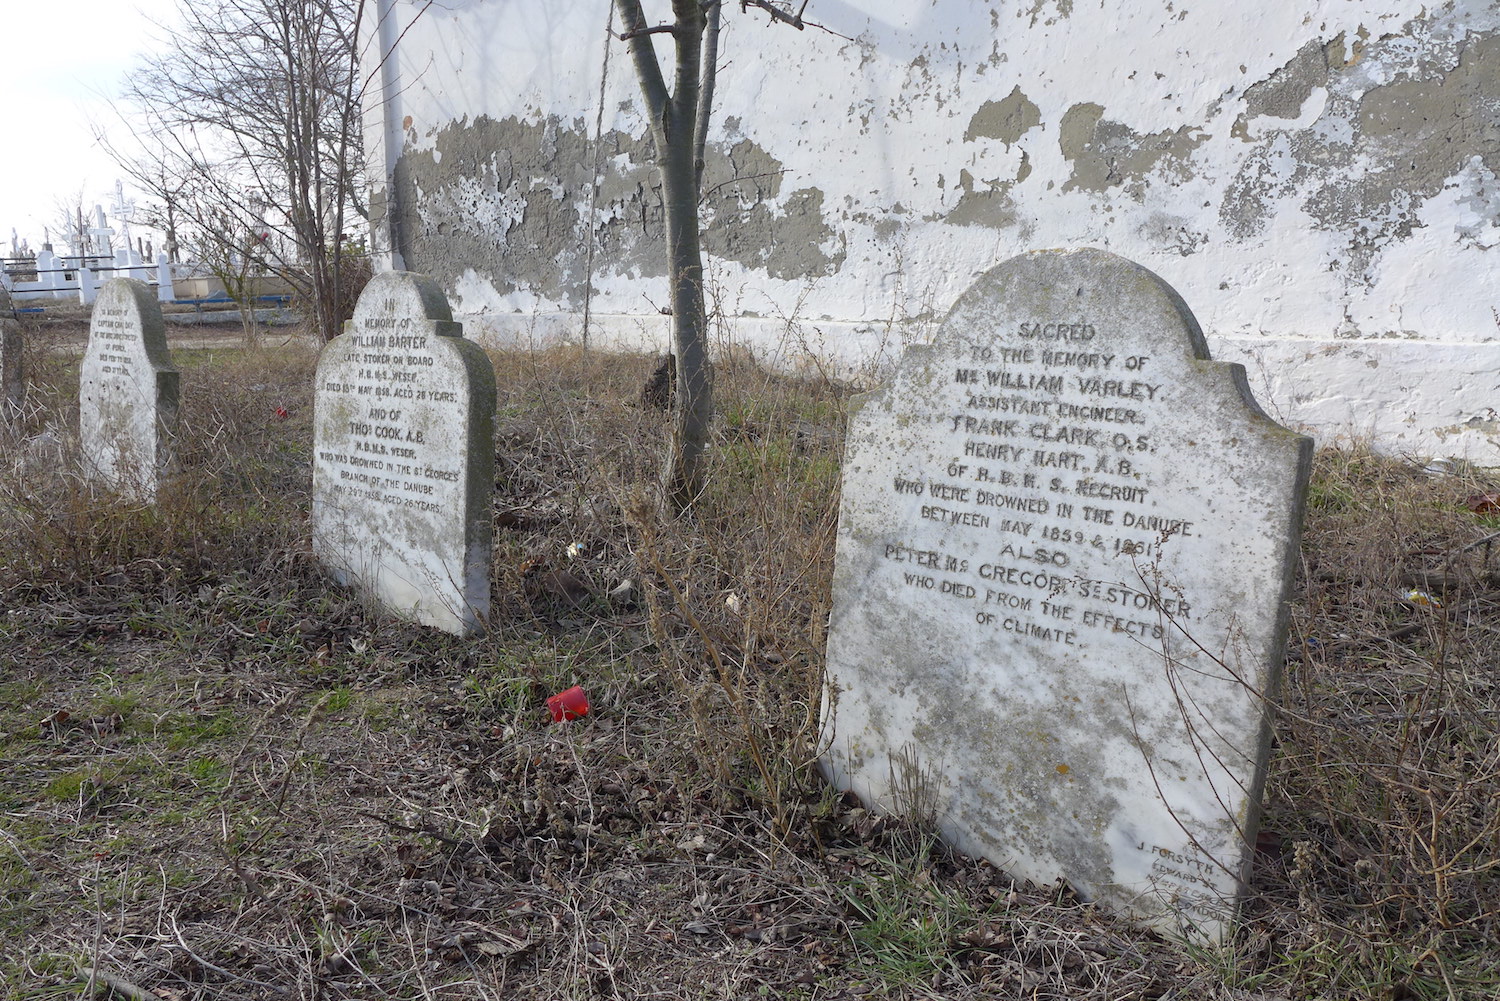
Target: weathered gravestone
404	455
127	391
12	374
1059	603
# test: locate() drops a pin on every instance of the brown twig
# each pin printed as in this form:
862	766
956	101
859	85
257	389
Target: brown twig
99	980
787	17
777	14
1480	542
660	29
182	944
407	828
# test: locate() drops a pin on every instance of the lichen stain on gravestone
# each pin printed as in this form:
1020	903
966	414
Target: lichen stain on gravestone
403	456
1065	546
127	391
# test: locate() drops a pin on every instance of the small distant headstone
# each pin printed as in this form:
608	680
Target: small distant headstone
403	456
12	373
1064	553
127	392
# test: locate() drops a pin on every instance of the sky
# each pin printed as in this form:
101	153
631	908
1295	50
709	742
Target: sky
63	65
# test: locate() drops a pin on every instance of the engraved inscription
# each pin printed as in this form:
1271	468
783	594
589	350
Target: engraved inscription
388	461
1052	460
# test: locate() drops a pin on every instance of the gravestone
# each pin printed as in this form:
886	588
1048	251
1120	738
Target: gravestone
127	391
403	456
1065	547
12	372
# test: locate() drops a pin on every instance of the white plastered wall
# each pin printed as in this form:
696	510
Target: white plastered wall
1252	155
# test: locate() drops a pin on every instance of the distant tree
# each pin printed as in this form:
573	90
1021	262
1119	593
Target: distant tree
161	210
250	125
68	223
679	119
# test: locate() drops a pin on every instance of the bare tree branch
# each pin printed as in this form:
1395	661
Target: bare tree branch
251	134
647	69
708	75
784	16
660	29
787	17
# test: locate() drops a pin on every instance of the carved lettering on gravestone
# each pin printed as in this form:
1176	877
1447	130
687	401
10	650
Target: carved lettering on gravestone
1064	553
127	391
12	372
403	462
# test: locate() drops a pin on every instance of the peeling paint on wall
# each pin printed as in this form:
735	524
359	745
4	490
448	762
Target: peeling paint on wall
1282	94
507	200
1038	12
992	206
747	219
1107	154
1301	170
1400	123
1006	120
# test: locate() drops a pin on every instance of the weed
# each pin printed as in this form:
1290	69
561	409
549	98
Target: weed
909	925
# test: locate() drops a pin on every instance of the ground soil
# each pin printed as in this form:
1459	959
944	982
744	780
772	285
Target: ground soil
227	778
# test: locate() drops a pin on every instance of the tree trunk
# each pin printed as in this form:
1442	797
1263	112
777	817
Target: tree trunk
694	405
677	119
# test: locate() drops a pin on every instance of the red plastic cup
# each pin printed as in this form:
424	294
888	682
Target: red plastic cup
569	705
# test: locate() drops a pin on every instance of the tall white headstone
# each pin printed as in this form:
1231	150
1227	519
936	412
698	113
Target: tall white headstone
127	391
1064	553
404	452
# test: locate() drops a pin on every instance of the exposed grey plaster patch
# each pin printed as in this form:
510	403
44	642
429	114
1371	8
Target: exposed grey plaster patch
1340	56
1406	114
741	223
507	199
990	205
498	197
1077	129
1463	105
1282	94
787	242
1034	12
1417	132
1108	154
1005	120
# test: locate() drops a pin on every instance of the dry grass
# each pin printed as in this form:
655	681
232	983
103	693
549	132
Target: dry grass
227	779
1385	795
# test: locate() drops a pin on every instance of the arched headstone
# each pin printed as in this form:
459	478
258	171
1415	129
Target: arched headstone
403	456
127	391
1065	548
